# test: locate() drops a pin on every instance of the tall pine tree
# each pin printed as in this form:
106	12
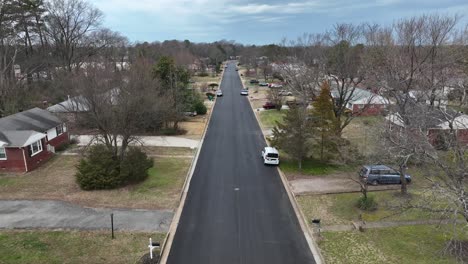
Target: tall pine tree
294	135
325	123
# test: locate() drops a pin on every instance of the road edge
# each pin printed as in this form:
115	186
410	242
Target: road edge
167	244
308	234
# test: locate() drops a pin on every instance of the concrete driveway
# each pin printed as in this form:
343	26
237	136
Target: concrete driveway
153	141
63	215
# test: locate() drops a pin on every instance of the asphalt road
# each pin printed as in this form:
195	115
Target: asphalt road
237	210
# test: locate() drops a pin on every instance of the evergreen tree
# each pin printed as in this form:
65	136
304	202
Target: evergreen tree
294	135
325	123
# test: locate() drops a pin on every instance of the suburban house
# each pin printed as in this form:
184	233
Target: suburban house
437	124
29	138
440	97
363	102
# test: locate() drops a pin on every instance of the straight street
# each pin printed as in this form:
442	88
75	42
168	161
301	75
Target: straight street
237	210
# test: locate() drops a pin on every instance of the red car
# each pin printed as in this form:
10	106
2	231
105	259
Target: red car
269	105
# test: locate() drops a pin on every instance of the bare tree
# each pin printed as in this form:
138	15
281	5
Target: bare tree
118	107
69	24
275	97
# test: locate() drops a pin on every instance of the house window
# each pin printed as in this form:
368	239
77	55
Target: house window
36	147
59	129
3	154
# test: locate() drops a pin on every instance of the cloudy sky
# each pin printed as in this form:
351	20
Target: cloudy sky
255	21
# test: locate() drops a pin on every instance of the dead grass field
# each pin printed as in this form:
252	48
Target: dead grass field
169	151
56	180
73	247
194	126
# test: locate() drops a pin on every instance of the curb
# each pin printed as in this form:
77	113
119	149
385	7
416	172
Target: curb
167	244
308	234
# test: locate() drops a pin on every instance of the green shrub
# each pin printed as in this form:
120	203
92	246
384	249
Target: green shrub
367	203
62	147
203	74
99	170
102	170
200	108
134	168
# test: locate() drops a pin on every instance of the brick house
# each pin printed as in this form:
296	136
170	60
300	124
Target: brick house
437	125
29	138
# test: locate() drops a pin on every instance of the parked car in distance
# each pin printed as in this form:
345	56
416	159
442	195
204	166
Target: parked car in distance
275	85
269	105
219	93
244	92
263	84
285	93
253	81
190	113
381	174
270	156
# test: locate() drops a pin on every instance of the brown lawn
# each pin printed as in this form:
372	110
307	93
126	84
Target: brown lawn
56	180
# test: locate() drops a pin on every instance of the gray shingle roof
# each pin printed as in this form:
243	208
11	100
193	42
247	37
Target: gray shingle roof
16	129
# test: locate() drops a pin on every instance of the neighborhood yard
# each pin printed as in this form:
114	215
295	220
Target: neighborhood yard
194	126
206	79
310	167
270	117
73	247
405	244
363	132
56	181
341	209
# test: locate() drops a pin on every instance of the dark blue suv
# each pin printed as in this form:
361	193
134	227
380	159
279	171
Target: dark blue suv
381	174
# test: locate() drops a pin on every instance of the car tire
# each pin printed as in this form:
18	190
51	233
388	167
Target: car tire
374	182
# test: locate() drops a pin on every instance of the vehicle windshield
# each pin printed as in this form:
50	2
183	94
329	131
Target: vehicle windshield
272	155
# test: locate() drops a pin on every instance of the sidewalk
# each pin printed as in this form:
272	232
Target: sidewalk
153	141
49	214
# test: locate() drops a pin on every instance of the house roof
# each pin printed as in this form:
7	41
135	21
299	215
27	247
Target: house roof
21	138
362	96
431	118
459	122
24	128
75	104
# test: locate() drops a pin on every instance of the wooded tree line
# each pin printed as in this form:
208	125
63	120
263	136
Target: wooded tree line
41	41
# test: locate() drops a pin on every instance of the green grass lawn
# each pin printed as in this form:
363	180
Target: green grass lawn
207	79
73	247
164	182
406	244
336	209
270	117
363	132
311	167
56	180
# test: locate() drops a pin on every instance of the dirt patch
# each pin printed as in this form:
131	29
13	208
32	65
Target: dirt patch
333	183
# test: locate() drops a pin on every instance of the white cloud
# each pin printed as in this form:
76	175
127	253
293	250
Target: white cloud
205	17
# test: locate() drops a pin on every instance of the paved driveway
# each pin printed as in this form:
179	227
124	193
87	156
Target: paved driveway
63	215
153	141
